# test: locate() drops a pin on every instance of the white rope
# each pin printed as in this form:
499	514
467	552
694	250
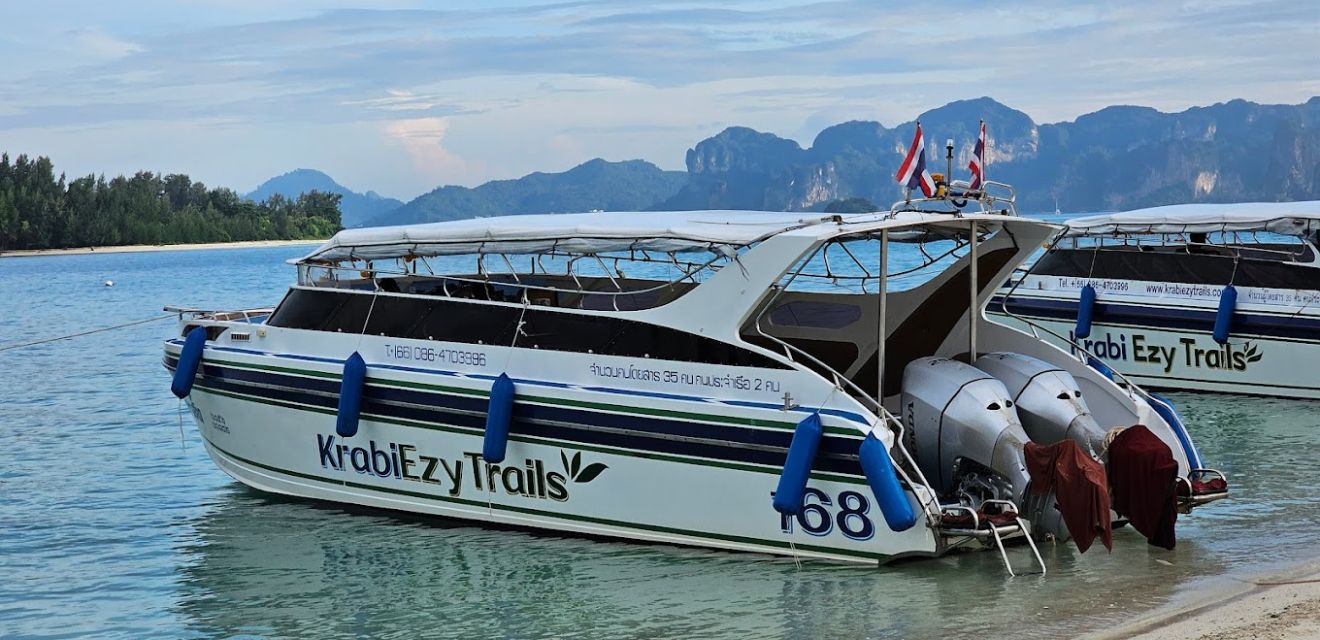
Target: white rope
84	333
182	442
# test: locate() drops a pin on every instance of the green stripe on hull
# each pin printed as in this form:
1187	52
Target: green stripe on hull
1155	380
448	428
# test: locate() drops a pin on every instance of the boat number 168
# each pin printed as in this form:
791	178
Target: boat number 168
820	515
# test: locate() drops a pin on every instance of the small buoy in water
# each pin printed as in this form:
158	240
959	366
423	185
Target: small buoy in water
109	283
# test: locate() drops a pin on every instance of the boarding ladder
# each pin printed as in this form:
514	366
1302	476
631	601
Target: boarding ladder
961	521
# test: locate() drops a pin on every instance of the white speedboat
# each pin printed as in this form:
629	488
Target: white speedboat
693	378
1207	297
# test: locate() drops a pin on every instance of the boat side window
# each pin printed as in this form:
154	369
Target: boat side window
815	314
451	320
1203	268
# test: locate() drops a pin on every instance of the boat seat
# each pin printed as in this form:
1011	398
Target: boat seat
1202	482
1214	485
1200	487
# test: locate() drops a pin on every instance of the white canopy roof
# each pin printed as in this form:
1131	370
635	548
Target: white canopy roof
1290	218
567	232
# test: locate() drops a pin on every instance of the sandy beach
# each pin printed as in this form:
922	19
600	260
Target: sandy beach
138	248
1283	606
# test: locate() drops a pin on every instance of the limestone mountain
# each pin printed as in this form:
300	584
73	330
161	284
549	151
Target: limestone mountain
1117	158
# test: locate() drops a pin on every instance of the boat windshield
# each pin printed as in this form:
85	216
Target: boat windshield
827	311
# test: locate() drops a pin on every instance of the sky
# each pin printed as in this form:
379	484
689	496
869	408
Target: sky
402	97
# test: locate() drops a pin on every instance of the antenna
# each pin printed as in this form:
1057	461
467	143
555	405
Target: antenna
948	155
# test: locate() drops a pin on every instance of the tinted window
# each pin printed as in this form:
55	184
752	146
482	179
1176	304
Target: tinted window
815	314
477	323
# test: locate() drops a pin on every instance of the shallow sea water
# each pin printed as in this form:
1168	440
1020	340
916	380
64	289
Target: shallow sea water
111	526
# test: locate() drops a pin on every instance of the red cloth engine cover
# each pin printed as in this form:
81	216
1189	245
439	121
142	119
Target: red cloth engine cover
1079	486
1142	472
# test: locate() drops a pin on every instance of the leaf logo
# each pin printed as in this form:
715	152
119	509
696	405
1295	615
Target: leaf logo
1252	354
576	472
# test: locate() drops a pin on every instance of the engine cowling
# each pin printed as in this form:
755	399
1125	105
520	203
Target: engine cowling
1049	400
957	411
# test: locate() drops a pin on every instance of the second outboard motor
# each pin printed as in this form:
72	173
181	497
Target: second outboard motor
960	414
1049	400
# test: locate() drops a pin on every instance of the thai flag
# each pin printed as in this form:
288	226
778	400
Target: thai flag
912	173
977	164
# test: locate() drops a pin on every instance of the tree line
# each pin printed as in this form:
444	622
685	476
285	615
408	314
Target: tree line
39	210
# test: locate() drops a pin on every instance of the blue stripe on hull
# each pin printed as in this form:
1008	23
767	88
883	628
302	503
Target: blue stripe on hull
1244	324
839	413
837	454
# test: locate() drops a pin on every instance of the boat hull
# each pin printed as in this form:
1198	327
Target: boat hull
579	473
1170	346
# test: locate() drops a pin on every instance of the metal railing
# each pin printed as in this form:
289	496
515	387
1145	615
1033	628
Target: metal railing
249	316
992	198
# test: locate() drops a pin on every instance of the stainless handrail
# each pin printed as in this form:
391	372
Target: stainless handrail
840	381
209	314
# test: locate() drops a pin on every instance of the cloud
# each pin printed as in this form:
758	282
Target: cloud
423	140
470	91
98	44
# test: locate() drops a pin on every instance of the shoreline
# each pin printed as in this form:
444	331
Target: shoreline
1283	606
145	248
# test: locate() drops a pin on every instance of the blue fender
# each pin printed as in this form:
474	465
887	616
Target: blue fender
499	415
1085	310
1166	410
1224	316
889	493
190	358
797	466
350	396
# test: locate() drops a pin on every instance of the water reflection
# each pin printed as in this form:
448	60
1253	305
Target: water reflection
274	568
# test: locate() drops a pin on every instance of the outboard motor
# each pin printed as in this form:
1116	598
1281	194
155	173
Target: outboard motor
1049	400
962	421
968	439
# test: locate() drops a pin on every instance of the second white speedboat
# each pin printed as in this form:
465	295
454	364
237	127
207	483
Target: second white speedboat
1205	297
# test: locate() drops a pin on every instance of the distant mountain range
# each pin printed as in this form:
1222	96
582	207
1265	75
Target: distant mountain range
355	208
1120	157
610	186
1116	158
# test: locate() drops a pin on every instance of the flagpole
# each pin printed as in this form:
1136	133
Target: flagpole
985	154
908	195
913	167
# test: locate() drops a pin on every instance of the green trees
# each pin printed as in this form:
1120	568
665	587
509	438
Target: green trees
850	205
40	211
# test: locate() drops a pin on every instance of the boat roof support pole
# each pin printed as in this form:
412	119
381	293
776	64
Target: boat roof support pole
971	307
880	334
